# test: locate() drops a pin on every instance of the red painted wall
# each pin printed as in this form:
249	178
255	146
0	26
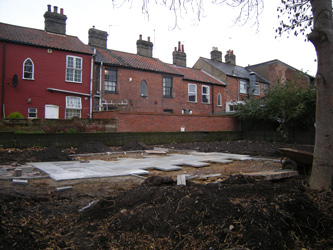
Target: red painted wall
49	72
150	122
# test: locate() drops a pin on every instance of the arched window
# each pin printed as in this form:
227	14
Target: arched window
143	89
28	69
219	100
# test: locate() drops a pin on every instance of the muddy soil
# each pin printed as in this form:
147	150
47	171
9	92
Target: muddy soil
223	212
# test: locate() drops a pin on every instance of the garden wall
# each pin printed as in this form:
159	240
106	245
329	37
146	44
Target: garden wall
58	126
160	122
8	140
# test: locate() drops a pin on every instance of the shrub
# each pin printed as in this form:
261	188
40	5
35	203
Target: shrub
15	115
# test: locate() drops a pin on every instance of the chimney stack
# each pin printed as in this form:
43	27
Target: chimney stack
97	38
144	48
216	55
179	56
55	22
230	57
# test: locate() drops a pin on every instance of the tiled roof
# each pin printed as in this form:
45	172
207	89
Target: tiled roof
128	60
124	59
42	38
235	70
198	76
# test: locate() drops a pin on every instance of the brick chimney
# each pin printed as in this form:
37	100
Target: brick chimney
230	57
97	38
216	55
144	48
179	56
55	22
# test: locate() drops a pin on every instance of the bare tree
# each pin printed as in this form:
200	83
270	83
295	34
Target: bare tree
314	16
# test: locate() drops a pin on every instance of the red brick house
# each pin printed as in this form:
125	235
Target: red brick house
147	89
45	73
275	70
241	83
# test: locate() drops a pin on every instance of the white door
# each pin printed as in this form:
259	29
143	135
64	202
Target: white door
51	112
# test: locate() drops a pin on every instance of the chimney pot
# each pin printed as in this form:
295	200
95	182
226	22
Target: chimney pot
55	22
61	11
179	56
144	48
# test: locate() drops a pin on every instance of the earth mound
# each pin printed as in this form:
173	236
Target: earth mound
51	154
235	214
92	147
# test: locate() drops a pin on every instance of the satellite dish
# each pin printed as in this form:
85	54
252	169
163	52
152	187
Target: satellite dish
15	81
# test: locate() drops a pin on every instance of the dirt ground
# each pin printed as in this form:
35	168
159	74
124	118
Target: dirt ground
222	210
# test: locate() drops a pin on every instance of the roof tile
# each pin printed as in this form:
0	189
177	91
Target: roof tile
34	37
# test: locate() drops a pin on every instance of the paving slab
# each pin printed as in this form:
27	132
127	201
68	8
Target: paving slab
69	170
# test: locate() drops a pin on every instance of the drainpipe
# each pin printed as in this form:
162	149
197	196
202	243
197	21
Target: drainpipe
100	88
238	87
3	80
213	96
91	84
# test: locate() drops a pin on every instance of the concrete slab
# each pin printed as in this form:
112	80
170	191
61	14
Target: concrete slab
69	170
272	175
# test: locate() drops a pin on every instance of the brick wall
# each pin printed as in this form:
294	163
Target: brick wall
158	122
128	91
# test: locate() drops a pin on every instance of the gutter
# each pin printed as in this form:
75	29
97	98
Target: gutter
67	91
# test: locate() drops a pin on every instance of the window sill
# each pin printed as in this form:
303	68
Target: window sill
170	97
73	82
110	92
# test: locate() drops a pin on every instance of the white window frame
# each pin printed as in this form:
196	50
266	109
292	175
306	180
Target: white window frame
192	93
229	105
187	111
219	100
29	72
76	69
205	95
243	86
73	107
257	89
31	111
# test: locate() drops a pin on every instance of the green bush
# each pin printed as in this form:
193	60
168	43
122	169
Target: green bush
15	115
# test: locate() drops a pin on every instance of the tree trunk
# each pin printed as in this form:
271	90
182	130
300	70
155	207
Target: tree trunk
322	38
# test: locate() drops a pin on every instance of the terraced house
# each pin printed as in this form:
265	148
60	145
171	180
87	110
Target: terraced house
153	95
241	83
45	73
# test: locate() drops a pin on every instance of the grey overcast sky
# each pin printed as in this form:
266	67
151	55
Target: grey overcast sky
216	29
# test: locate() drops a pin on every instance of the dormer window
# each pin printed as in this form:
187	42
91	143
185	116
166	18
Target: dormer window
28	69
